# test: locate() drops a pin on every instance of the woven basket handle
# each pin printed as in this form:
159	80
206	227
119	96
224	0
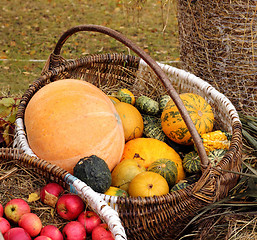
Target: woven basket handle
155	67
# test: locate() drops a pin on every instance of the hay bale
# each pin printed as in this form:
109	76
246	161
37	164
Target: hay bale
218	43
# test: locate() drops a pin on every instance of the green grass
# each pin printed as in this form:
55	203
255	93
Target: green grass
30	29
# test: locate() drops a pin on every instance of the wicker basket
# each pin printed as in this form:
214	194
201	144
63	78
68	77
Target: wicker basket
218	44
138	218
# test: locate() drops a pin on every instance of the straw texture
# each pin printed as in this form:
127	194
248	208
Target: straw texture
218	43
151	217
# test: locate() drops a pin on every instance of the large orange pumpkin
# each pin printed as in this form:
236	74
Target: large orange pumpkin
200	112
70	119
148	150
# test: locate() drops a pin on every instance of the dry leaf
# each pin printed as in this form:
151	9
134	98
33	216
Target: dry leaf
33	197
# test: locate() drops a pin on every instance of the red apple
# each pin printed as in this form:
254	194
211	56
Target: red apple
89	220
31	223
1	210
50	193
16	233
69	206
74	230
15	208
4	225
102	232
51	231
43	238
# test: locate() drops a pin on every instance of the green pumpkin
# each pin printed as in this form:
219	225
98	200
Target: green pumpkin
166	168
216	155
147	105
163	101
94	172
153	128
191	162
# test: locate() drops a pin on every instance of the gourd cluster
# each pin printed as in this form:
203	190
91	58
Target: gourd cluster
159	154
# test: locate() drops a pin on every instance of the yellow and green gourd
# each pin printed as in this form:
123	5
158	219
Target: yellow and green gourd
166	168
191	162
125	95
216	156
114	191
200	112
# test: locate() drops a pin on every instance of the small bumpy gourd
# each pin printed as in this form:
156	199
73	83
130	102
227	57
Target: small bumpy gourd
163	101
69	119
94	172
147	105
216	140
153	127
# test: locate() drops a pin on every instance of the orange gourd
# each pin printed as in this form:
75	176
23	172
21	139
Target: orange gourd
200	112
70	119
148	150
132	120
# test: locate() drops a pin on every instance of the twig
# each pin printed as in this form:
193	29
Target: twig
13	170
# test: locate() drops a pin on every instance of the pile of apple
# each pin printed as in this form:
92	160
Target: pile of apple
18	222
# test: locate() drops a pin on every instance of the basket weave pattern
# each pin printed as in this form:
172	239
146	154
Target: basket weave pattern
142	218
218	43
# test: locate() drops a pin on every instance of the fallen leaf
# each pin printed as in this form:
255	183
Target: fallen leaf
33	197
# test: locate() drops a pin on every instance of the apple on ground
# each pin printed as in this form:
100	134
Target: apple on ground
43	238
1	210
69	206
31	223
102	232
16	233
89	220
15	208
51	231
50	193
4	225
74	230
